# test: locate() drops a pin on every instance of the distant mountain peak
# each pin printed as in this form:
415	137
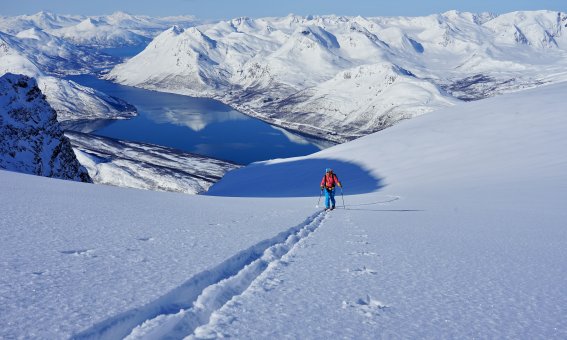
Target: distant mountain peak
45	14
33	33
176	29
121	15
88	23
318	35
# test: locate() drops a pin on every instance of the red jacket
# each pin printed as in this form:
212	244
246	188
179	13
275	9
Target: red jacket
330	180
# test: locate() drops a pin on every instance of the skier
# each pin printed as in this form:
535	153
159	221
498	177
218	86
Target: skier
328	183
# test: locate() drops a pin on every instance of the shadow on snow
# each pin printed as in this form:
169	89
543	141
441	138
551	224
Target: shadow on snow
295	178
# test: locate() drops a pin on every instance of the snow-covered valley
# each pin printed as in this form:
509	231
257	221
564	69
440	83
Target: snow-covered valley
339	78
333	77
48	47
32	141
453	227
51	47
71	100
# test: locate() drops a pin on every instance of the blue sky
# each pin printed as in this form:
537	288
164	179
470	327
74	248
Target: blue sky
223	9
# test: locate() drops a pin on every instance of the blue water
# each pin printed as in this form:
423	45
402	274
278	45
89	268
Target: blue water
202	126
125	51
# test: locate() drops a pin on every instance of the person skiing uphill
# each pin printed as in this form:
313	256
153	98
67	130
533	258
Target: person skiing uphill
328	183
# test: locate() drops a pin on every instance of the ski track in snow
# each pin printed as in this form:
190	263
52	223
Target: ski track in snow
180	312
363	304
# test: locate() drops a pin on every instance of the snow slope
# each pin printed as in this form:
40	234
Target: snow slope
341	77
453	228
73	101
146	166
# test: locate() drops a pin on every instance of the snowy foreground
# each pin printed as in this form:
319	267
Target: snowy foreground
454	227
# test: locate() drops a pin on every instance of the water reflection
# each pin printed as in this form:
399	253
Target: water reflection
86	126
199	125
194	120
303	140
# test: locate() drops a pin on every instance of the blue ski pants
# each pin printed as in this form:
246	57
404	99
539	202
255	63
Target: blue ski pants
330	198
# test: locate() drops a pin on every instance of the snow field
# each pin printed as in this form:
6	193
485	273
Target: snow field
75	256
392	271
218	294
471	243
454	227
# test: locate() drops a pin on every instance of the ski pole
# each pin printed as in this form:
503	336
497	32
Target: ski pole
319	200
343	197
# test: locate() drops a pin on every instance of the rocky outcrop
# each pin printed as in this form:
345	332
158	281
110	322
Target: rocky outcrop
31	140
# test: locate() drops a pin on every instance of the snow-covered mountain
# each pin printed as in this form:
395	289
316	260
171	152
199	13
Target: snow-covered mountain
342	77
71	100
31	140
146	166
98	33
42	20
453	226
539	29
57	56
115	30
48	46
147	26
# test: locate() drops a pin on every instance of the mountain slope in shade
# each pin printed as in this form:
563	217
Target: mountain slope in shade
146	166
32	140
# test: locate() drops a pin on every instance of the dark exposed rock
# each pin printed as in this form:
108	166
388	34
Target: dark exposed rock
31	140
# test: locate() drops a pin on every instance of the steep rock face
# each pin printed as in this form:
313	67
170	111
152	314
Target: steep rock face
31	140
